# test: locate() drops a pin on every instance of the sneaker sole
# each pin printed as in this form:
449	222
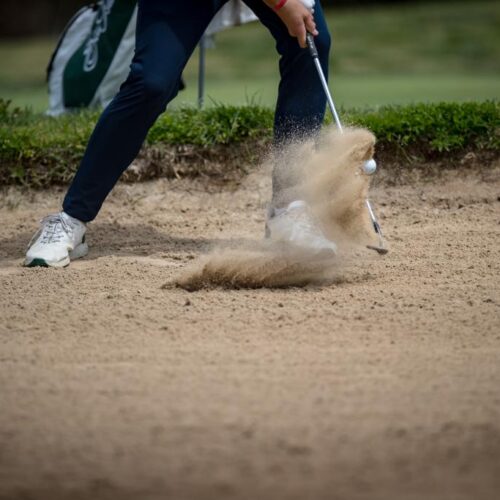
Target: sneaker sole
80	251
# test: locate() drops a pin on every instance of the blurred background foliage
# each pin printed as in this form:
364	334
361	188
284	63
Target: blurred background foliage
385	52
36	17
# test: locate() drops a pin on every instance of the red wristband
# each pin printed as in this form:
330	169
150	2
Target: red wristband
280	4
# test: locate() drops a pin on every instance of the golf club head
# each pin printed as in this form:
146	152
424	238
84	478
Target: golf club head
379	250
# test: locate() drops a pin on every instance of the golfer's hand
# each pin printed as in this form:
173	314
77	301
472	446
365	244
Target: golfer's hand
298	20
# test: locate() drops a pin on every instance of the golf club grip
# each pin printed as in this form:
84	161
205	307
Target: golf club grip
311	45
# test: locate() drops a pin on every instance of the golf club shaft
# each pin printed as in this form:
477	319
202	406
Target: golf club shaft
324	83
376	225
329	99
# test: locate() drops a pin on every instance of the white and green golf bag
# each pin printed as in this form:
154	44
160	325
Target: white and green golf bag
92	58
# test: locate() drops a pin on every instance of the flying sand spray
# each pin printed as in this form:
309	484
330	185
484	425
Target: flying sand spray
370	166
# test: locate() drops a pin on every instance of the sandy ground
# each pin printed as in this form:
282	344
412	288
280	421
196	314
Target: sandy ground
385	385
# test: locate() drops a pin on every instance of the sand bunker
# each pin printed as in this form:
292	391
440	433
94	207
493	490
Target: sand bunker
382	388
329	177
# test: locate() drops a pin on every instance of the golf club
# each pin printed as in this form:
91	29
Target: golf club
370	166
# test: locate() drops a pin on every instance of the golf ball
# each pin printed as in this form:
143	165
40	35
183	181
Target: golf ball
370	166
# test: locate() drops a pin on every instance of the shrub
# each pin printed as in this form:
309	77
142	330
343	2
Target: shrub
38	150
436	128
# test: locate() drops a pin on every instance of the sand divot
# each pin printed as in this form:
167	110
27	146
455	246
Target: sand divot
263	264
330	178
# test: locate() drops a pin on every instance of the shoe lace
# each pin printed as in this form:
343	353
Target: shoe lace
54	228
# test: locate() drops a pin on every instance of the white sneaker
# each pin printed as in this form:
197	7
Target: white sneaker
295	224
60	239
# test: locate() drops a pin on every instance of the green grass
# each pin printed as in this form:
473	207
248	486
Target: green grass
382	55
353	91
36	150
458	37
348	91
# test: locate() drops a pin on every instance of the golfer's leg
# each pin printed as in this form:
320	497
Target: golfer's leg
167	33
301	103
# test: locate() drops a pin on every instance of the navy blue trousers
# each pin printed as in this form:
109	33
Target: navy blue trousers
167	34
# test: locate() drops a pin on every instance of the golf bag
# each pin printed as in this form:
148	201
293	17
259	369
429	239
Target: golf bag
92	58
